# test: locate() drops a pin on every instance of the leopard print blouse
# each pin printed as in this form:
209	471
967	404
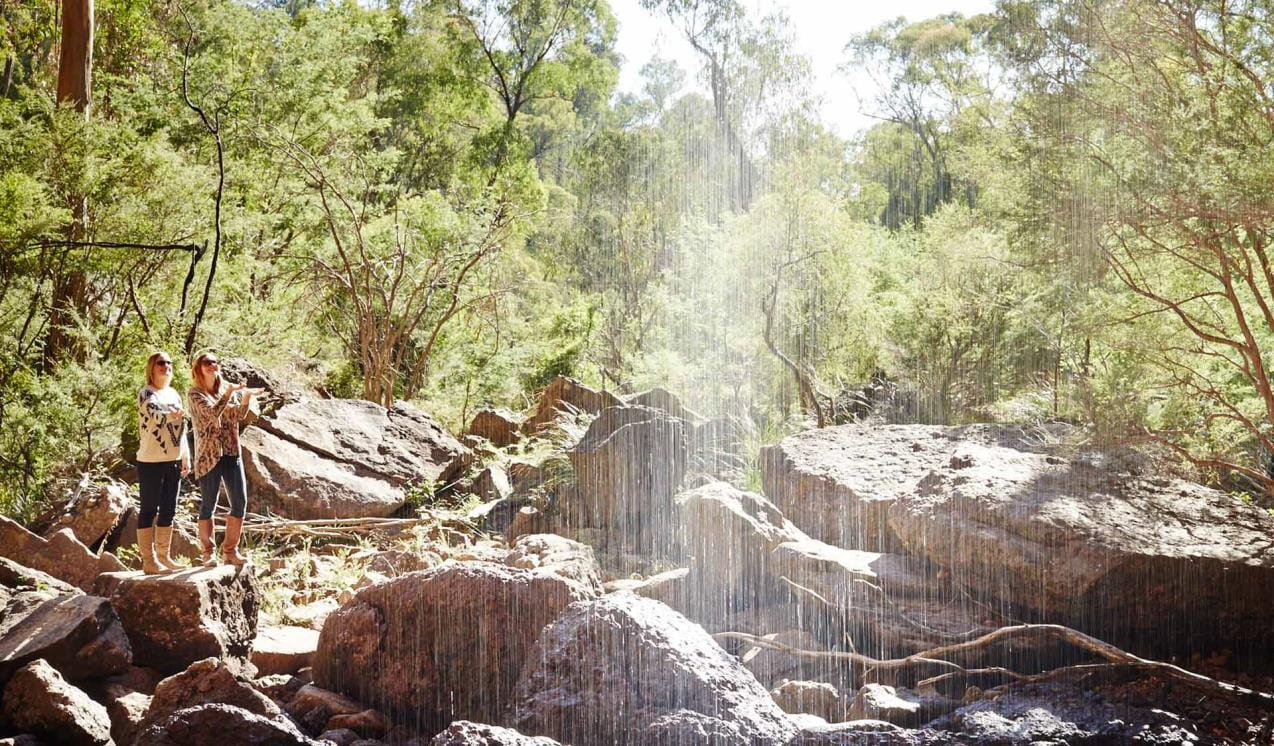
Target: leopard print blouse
216	421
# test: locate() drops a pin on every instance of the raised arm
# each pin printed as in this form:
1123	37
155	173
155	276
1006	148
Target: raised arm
206	407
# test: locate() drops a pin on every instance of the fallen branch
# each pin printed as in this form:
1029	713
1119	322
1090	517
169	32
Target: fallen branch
1115	657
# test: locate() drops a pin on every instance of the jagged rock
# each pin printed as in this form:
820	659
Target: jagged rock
442	644
661	398
340	737
37	699
730	535
872	733
61	555
77	634
528	520
367	723
206	681
16	576
689	727
813	697
497	516
281	687
629	465
563	557
1154	564
313	707
718	448
609	668
668	587
466	733
898	705
567	395
492	483
176	619
341	457
220	724
283	649
127	711
394	562
500	426
1057	713
94	514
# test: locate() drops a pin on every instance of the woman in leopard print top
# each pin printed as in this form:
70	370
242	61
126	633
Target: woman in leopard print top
216	408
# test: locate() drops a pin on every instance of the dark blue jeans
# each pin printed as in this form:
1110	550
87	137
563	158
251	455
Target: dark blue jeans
229	469
159	484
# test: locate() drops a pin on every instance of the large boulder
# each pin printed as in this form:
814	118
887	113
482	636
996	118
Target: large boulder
730	536
629	466
217	724
608	669
78	635
661	398
567	396
207	681
500	426
1063	713
565	558
317	458
38	700
837	483
60	555
304	485
94	513
283	649
466	733
176	619
1098	541
443	644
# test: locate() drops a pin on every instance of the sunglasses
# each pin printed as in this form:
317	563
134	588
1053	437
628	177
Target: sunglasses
164	363
211	363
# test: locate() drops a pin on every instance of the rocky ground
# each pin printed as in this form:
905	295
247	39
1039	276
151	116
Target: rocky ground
594	572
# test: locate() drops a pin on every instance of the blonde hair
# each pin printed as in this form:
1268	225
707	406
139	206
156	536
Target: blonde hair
196	377
154	358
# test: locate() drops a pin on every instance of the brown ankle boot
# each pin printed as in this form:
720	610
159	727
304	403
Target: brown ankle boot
163	547
230	545
207	547
146	548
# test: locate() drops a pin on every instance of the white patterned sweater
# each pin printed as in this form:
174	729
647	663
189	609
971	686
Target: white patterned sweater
163	438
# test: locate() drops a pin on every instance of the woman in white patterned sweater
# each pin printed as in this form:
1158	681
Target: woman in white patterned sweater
216	407
163	458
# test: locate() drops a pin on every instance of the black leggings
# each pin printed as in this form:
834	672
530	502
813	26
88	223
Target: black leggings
160	483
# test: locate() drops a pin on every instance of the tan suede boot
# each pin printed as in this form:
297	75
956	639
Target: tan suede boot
146	548
230	545
207	546
163	547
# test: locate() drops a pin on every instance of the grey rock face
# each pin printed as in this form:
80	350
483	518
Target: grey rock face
37	699
443	644
608	669
76	634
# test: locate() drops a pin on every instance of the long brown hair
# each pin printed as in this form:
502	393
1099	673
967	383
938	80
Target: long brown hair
196	375
151	361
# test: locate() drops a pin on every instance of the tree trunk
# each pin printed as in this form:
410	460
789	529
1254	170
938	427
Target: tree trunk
75	81
75	67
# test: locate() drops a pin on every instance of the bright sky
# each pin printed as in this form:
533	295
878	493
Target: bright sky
822	28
